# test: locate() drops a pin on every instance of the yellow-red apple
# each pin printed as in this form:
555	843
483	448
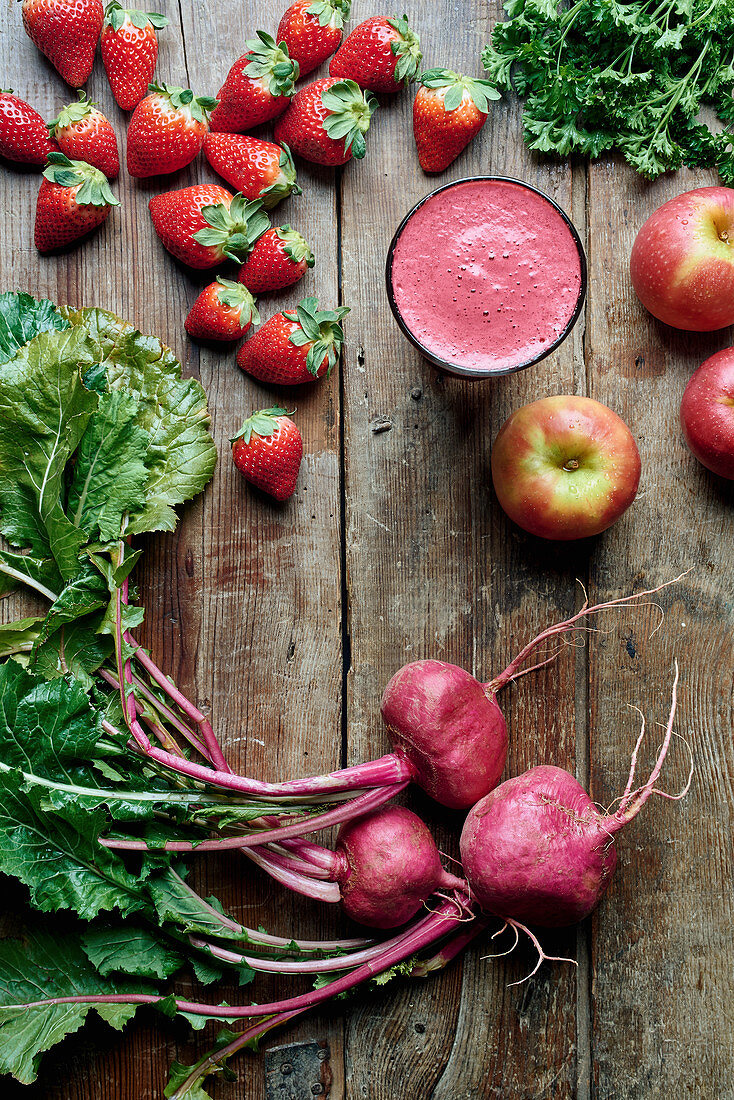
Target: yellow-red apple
565	467
682	261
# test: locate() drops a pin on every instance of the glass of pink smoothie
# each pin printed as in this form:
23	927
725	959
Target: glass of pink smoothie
486	276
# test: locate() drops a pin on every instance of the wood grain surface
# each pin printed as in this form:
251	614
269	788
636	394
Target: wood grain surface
285	622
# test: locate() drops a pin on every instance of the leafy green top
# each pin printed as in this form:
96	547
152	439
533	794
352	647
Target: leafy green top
350	113
296	246
115	16
233	231
456	85
598	75
92	187
268	60
99	435
73	112
184	100
331	13
237	296
407	49
285	185
321	329
264	422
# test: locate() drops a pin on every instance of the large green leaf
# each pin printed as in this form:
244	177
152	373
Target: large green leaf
129	950
109	472
23	317
181	454
43	966
44	411
58	856
44	724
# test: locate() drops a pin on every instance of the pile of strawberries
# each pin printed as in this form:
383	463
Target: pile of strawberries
206	225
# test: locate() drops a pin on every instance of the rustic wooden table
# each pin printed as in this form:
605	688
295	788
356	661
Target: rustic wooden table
286	622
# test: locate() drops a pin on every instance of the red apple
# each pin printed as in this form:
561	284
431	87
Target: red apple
565	467
682	261
707	413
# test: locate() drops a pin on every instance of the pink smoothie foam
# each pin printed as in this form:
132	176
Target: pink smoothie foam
486	274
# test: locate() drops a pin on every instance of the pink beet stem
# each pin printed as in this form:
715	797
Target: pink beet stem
633	801
184	705
309	966
387	771
264	938
283	857
294	880
216	1060
345	812
142	689
450	950
421	969
512	671
127	698
306	850
435	928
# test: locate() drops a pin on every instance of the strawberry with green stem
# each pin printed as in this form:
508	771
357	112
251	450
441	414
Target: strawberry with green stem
23	133
67	33
327	120
312	30
223	311
82	132
205	224
267	451
380	54
258	86
129	47
257	168
74	199
295	347
167	130
448	111
280	258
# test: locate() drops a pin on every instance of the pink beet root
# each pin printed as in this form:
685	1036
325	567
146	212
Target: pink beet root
537	850
388	867
549	852
449	728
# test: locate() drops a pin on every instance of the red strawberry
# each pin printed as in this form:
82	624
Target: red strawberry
380	54
204	224
23	133
223	311
83	133
66	31
74	199
129	47
312	30
327	121
448	111
279	259
297	347
267	451
257	88
167	130
259	169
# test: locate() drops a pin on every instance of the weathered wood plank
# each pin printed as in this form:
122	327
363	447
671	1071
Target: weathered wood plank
663	936
435	570
244	600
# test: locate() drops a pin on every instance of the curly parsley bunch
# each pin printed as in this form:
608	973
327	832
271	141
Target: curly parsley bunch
647	78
